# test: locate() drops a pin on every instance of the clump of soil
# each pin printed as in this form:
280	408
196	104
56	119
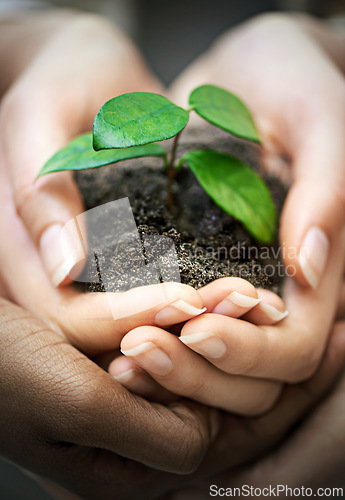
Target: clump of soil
209	244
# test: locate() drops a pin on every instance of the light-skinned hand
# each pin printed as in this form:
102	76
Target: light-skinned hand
310	457
69	69
244	350
290	73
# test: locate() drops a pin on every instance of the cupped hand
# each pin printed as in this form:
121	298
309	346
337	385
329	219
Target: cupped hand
80	62
184	368
93	322
288	71
289	446
289	351
236	347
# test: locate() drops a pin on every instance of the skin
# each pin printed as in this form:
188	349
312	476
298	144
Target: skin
45	203
82	430
300	461
31	210
299	110
271	351
33	207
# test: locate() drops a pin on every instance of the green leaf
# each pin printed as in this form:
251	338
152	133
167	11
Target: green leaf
237	189
135	119
224	110
80	155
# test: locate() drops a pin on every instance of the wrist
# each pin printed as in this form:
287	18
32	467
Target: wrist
329	34
22	34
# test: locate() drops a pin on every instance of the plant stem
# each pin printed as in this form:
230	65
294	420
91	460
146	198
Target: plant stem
171	173
173	151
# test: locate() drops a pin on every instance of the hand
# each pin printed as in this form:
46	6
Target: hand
196	374
248	355
313	455
94	322
69	421
296	92
308	455
77	62
76	426
81	63
286	72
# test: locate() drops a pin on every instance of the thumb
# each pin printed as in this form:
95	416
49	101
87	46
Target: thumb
314	210
32	129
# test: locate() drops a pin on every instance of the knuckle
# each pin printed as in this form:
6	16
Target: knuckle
193	434
308	362
195	386
78	399
271	20
191	452
267	400
249	366
254	362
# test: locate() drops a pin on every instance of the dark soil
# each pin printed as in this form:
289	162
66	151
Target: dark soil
209	244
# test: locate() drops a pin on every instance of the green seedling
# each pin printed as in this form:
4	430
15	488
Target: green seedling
130	125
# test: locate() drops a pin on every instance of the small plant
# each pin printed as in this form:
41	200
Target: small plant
128	126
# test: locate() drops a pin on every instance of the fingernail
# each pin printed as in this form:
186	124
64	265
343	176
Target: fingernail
152	358
135	381
205	343
126	376
177	312
61	250
273	313
313	255
229	306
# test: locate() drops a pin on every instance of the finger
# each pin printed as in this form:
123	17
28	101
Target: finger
97	322
93	322
229	296
233	345
289	351
323	454
242	348
314	210
136	380
237	297
269	311
185	373
83	405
